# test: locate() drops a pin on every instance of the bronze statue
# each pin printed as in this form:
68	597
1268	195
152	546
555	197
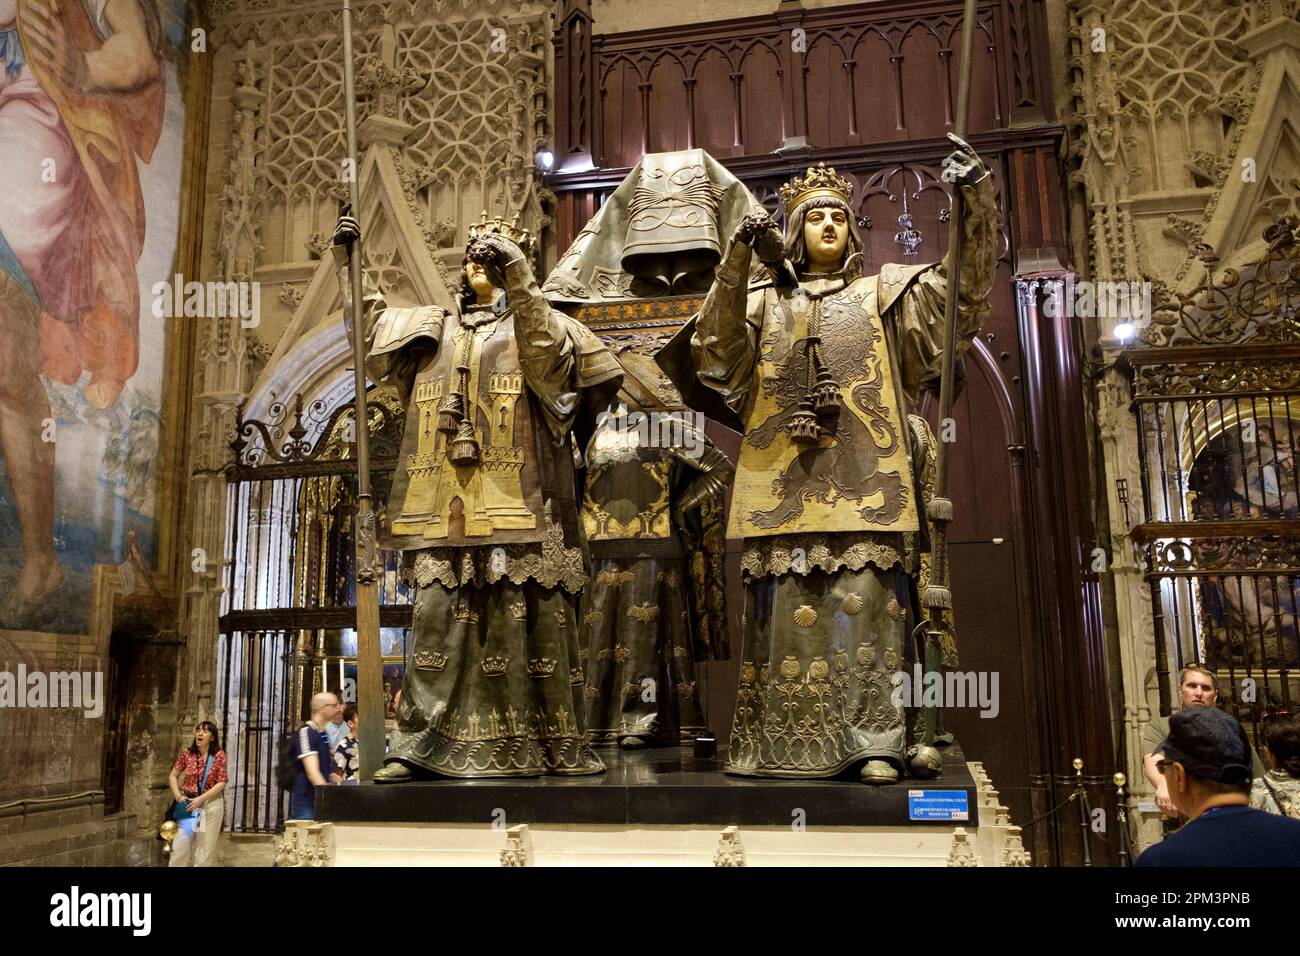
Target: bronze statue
500	391
818	365
653	513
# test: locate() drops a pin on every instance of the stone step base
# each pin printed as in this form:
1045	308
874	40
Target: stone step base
433	845
996	842
108	841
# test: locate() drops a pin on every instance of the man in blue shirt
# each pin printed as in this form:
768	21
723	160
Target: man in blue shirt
312	747
1206	764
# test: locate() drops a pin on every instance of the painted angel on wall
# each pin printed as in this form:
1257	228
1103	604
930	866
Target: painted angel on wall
81	101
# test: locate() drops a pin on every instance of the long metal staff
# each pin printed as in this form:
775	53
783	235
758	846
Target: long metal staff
938	597
370	677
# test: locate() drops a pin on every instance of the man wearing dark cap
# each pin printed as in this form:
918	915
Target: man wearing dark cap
1206	764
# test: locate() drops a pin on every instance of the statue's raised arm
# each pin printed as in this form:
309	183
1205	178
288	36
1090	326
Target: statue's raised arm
913	297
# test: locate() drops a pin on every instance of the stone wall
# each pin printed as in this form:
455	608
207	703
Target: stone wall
1182	118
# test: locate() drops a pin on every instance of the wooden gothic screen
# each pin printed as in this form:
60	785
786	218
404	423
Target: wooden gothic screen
1216	390
870	89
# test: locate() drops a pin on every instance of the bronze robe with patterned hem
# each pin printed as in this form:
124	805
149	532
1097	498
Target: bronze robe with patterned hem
831	528
494	549
651	613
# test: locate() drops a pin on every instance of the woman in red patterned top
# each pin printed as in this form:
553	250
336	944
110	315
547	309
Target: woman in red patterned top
202	771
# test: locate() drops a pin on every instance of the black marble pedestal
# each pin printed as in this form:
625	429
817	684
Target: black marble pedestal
664	787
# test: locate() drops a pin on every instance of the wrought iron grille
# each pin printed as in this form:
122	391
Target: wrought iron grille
1216	384
289	608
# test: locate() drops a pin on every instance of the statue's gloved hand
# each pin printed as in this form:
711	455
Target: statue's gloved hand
763	234
347	230
963	165
701	490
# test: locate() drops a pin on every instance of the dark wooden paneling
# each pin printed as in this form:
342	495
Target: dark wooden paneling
879	72
985	579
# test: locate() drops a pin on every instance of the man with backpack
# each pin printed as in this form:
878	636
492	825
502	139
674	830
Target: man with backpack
310	750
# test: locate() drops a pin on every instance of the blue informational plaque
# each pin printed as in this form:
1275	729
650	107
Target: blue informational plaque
937	805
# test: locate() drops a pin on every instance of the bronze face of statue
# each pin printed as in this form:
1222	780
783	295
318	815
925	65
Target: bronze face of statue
480	283
483	507
819	366
825	234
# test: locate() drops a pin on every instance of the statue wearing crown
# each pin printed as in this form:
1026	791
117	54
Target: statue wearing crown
819	366
499	391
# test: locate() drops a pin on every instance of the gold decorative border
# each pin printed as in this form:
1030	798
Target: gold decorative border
640	313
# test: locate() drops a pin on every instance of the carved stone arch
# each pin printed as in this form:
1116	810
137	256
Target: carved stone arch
1271	139
314	348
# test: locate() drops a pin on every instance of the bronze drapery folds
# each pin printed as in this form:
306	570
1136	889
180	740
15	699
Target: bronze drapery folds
652	511
819	373
483	507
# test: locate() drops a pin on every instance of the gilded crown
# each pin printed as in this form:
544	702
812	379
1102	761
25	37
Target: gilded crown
818	181
495	665
498	226
430	661
541	667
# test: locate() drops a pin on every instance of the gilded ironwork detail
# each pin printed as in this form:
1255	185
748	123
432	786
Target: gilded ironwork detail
1276	369
1257	303
1247	554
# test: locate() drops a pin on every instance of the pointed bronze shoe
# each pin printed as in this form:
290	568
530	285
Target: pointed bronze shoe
879	772
394	773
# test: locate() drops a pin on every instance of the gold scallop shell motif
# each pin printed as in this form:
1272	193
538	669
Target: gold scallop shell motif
852	603
805	615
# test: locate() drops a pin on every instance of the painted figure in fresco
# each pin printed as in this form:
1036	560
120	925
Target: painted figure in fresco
81	100
484	508
819	365
652	511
